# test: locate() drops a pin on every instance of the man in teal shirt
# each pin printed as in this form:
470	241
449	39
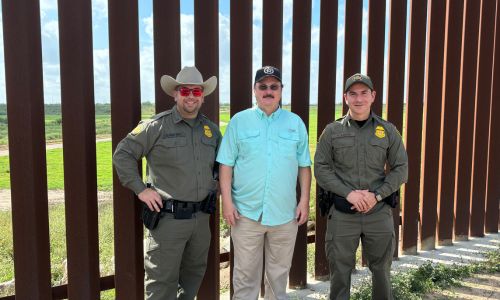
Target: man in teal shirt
263	151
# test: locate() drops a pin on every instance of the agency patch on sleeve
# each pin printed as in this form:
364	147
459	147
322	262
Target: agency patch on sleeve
208	132
138	129
380	132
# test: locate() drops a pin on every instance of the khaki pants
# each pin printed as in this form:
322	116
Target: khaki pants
250	240
176	257
376	231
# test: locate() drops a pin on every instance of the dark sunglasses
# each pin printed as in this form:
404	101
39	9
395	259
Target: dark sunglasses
184	91
273	87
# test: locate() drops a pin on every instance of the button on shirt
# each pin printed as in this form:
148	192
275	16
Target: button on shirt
180	155
349	157
265	153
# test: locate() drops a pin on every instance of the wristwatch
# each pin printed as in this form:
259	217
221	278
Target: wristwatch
378	197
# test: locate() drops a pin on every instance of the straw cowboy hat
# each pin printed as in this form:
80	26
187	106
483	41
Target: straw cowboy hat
188	75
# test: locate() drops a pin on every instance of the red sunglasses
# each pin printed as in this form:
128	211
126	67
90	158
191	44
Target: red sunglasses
184	91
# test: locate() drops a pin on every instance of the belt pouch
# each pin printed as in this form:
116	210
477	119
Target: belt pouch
182	211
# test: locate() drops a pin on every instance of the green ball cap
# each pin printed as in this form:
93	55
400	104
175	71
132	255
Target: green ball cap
358	78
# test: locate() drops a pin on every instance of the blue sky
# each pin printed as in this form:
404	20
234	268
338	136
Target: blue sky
50	48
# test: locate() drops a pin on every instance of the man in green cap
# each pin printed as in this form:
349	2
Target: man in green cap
180	146
350	164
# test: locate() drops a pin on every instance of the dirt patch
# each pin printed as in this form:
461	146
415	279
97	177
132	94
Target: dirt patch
480	286
54	197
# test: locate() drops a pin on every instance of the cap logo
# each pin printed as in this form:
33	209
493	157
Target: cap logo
268	70
357	77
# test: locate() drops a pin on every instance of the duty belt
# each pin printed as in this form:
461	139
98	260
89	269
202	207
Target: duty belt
172	205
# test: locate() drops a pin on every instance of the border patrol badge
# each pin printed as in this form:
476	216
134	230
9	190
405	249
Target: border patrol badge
138	129
380	132
208	132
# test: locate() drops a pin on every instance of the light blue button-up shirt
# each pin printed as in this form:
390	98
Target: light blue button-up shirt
265	153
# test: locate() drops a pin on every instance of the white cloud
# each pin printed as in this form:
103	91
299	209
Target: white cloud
224	59
147	74
101	76
100	8
257	11
187	40
47	6
50	30
287	12
148	26
51	83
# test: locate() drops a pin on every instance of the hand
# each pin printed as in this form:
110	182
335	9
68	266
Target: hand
357	199
151	198
229	212
369	198
302	211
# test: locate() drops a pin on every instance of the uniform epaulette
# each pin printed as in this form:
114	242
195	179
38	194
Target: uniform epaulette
143	124
207	119
379	118
163	113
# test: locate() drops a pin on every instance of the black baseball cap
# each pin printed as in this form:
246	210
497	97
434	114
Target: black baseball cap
267	71
358	78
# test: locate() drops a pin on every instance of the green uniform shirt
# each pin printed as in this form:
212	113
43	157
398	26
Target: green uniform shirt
352	158
180	155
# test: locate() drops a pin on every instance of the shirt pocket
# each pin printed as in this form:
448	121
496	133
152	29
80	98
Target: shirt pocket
209	146
171	147
343	150
376	155
248	142
288	143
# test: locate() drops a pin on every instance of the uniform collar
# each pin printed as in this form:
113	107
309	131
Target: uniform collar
348	121
262	114
178	118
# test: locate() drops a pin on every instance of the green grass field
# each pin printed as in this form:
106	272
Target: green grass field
57	231
55	172
55	181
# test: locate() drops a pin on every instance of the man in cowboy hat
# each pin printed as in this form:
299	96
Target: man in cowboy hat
263	152
180	146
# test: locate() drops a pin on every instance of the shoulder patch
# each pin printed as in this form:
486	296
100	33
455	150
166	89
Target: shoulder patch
139	128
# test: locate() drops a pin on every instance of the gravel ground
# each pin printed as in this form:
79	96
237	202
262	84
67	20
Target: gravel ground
54	196
462	252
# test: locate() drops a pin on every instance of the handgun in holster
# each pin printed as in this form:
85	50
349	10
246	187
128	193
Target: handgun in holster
150	218
209	204
324	201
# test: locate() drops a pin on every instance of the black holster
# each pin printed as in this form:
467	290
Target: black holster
392	200
150	218
324	201
209	204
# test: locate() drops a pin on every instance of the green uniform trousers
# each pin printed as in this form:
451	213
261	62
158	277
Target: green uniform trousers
176	257
376	231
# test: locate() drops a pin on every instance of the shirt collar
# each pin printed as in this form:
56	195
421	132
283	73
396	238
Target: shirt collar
262	114
348	120
178	118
